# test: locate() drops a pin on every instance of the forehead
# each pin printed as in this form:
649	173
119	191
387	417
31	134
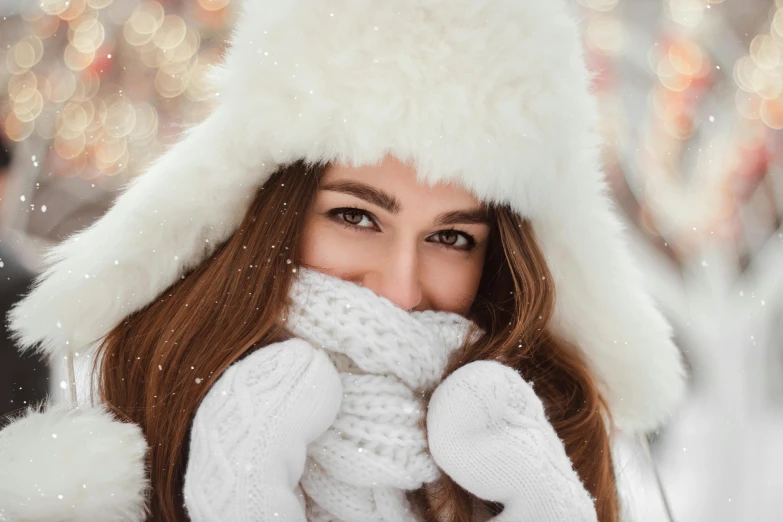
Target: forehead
399	180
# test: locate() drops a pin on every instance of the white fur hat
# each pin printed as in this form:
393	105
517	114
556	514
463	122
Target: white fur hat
492	94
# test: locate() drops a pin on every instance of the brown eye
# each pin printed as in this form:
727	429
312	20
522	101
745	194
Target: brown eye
353	217
453	239
449	237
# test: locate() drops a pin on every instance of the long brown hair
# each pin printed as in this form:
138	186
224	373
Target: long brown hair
155	367
514	306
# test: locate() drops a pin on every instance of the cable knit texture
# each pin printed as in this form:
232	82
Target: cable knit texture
250	434
488	430
359	427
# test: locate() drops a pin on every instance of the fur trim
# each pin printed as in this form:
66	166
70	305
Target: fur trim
491	94
72	466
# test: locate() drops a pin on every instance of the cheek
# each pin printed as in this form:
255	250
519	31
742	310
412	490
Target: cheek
324	247
451	285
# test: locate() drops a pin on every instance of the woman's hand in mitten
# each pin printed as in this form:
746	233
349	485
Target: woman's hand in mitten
250	434
488	431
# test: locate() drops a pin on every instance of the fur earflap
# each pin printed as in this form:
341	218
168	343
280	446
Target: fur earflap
72	465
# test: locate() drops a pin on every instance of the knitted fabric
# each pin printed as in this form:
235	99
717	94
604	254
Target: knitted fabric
489	432
375	450
283	436
248	442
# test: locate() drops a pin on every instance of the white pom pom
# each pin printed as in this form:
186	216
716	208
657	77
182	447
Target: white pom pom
65	465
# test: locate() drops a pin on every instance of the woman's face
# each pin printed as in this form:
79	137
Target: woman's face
421	247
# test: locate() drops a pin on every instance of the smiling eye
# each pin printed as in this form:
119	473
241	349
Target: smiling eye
355	217
454	239
450	237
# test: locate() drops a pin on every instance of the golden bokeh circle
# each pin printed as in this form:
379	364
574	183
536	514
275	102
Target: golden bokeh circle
777	24
768	84
772	113
45	27
92	83
99	4
217	5
748	104
71	147
743	73
144	23
147	17
11	65
120	119
45	123
29	108
108	151
76	60
187	48
60	85
118	166
606	34
18	130
76	117
200	87
688	13
686	57
24	55
88	35
94	130
134	37
146	125
53	7
170	82
31	11
671	78
73	10
765	51
171	32
113	93
19	83
28	51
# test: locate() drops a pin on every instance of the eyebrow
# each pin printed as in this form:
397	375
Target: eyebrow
478	216
380	198
377	197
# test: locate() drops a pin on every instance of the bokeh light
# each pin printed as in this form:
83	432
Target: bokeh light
73	9
16	129
97	91
606	34
688	13
772	113
98	4
54	7
213	5
88	35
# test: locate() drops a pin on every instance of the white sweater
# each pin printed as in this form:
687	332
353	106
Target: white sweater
327	427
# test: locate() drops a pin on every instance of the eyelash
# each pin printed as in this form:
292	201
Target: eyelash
335	213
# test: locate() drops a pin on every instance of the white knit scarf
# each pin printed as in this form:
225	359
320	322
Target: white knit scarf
376	450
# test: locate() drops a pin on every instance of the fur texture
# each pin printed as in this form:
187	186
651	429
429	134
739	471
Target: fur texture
491	94
75	465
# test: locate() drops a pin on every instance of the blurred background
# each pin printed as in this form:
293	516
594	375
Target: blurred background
691	95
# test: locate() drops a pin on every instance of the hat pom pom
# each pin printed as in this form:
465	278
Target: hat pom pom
69	465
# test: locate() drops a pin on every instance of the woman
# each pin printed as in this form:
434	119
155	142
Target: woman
251	381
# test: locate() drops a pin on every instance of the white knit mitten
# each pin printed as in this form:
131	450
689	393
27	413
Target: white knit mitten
250	435
488	431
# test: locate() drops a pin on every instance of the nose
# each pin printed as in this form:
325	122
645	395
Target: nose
396	277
